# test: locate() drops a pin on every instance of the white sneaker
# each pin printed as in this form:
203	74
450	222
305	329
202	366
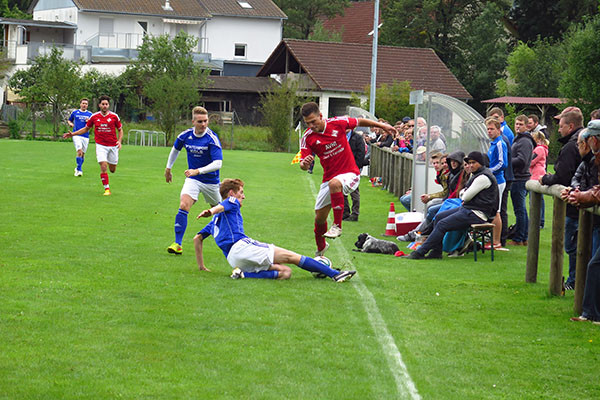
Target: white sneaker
76	173
237	274
333	232
322	252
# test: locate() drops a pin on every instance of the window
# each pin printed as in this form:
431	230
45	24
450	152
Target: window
244	4
144	26
240	50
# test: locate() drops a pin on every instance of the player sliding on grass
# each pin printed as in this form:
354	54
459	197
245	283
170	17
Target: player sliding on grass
248	257
205	158
106	125
327	139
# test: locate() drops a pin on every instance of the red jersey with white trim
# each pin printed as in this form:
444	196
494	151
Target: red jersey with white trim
331	146
105	127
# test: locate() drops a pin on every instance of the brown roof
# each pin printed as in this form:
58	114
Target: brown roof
260	8
252	84
525	100
181	8
355	24
347	66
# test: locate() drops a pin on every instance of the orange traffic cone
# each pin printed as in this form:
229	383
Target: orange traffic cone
390	228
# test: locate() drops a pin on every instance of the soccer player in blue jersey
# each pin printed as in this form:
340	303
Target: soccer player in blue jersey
250	258
77	120
205	157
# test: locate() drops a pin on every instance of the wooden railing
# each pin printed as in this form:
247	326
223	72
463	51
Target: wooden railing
584	241
395	169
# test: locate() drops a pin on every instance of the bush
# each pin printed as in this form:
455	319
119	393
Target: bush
14	129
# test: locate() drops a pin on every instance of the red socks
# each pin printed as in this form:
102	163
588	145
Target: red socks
337	205
319	232
104	178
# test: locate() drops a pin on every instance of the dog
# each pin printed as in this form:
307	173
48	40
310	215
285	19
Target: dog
369	244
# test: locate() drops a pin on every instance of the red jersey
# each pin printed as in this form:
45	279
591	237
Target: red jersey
331	146
105	127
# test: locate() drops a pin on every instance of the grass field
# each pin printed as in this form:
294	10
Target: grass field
92	306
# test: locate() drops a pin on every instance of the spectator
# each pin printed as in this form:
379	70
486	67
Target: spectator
537	168
595	114
441	179
357	145
497	155
591	197
437	144
533	125
497	113
480	204
522	152
569	126
385	140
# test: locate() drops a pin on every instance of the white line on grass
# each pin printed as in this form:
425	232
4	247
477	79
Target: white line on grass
404	383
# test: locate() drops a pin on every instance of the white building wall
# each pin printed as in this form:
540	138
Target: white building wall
261	36
58	15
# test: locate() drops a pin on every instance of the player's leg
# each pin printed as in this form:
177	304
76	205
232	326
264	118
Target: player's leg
80	144
113	159
252	259
211	193
102	157
339	186
322	207
284	256
181	219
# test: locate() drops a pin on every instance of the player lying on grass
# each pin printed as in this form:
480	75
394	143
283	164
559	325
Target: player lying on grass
248	257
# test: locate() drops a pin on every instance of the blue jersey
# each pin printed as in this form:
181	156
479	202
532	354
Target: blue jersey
227	227
79	119
498	156
201	151
506	131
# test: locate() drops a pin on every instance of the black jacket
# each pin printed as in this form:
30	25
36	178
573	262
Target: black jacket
522	151
488	199
565	167
358	147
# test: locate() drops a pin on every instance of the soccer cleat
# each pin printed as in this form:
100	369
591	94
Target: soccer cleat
175	248
107	192
76	173
237	274
320	253
343	276
333	232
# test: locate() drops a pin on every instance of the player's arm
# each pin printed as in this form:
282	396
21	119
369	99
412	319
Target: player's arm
81	131
120	139
213	166
198	240
306	162
170	161
211	211
376	124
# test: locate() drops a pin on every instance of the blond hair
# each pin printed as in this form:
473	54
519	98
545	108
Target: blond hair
540	137
199	110
493	121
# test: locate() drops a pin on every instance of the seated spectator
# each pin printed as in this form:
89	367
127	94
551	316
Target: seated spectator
437	144
537	168
441	179
480	204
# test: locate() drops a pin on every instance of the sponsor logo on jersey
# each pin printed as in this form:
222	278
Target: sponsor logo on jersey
318	141
334	133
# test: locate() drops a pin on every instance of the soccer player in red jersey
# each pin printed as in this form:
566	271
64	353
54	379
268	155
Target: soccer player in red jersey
106	124
327	139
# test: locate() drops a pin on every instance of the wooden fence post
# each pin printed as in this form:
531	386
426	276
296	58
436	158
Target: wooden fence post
533	247
584	253
558	242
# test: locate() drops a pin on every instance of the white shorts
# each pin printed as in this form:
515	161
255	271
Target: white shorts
193	188
251	255
349	181
81	143
109	154
501	188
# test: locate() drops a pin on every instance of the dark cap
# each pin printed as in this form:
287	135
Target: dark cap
406	119
476	156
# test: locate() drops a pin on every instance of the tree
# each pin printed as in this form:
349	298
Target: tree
10	9
580	81
392	101
320	34
51	80
534	70
304	15
170	78
548	19
277	107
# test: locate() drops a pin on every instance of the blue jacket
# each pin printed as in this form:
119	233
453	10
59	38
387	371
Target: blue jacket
498	156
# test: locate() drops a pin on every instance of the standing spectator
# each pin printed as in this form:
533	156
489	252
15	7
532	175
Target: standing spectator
522	152
497	155
358	148
533	125
569	126
106	125
77	120
497	113
591	294
537	168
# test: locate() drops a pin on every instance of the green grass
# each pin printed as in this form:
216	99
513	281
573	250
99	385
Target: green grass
92	306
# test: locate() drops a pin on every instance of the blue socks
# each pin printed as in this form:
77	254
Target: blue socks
180	225
312	265
262	275
79	162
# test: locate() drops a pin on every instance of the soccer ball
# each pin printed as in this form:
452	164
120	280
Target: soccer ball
322	260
